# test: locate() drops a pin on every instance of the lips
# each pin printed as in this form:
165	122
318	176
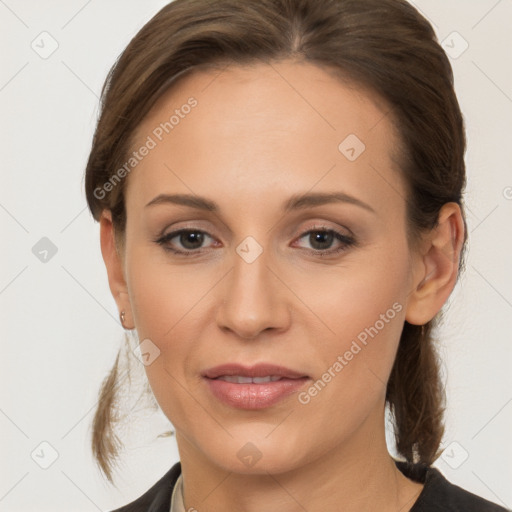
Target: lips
258	371
253	387
240	379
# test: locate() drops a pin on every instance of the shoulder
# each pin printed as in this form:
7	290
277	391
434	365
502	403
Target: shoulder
440	495
158	497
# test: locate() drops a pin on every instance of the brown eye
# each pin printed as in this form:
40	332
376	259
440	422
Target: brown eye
187	241
321	241
191	240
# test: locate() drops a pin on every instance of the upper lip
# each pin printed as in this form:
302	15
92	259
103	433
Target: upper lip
257	370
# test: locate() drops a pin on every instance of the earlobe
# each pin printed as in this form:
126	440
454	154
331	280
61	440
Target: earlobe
437	267
114	265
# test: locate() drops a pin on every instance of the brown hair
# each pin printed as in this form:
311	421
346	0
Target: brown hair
385	45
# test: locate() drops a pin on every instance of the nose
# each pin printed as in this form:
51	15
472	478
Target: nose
253	299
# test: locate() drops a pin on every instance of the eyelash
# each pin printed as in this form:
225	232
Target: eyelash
346	241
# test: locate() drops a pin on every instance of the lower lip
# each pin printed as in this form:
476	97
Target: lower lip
254	396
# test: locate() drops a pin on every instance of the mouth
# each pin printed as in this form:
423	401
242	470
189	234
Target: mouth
258	371
255	387
240	379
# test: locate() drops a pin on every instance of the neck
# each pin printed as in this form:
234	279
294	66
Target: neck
358	474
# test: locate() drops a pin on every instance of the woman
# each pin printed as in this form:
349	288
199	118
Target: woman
279	190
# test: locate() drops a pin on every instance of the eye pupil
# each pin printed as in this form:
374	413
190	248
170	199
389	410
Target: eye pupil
195	237
323	237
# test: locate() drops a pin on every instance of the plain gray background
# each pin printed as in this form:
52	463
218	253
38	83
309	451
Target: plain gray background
60	327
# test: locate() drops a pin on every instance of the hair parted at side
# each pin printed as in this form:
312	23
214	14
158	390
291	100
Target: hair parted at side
384	45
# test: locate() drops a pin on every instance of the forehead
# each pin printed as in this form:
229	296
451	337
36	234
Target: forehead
296	91
260	125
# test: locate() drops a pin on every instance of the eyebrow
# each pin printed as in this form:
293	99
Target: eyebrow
295	202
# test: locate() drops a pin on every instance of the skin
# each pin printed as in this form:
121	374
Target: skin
259	135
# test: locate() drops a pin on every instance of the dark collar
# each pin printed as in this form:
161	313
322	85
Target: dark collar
158	497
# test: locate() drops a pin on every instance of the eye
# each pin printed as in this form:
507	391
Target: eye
191	241
188	241
321	240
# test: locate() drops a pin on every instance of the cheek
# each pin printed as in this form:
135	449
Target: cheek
353	295
163	296
363	306
163	305
168	304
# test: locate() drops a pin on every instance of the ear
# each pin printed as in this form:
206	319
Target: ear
114	264
436	267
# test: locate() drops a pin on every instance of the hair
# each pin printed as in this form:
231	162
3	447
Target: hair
386	46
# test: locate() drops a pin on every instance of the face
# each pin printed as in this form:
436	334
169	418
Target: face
269	269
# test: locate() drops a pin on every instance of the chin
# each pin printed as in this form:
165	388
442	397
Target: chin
254	455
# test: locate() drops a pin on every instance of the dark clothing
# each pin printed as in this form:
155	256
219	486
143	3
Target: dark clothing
438	494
